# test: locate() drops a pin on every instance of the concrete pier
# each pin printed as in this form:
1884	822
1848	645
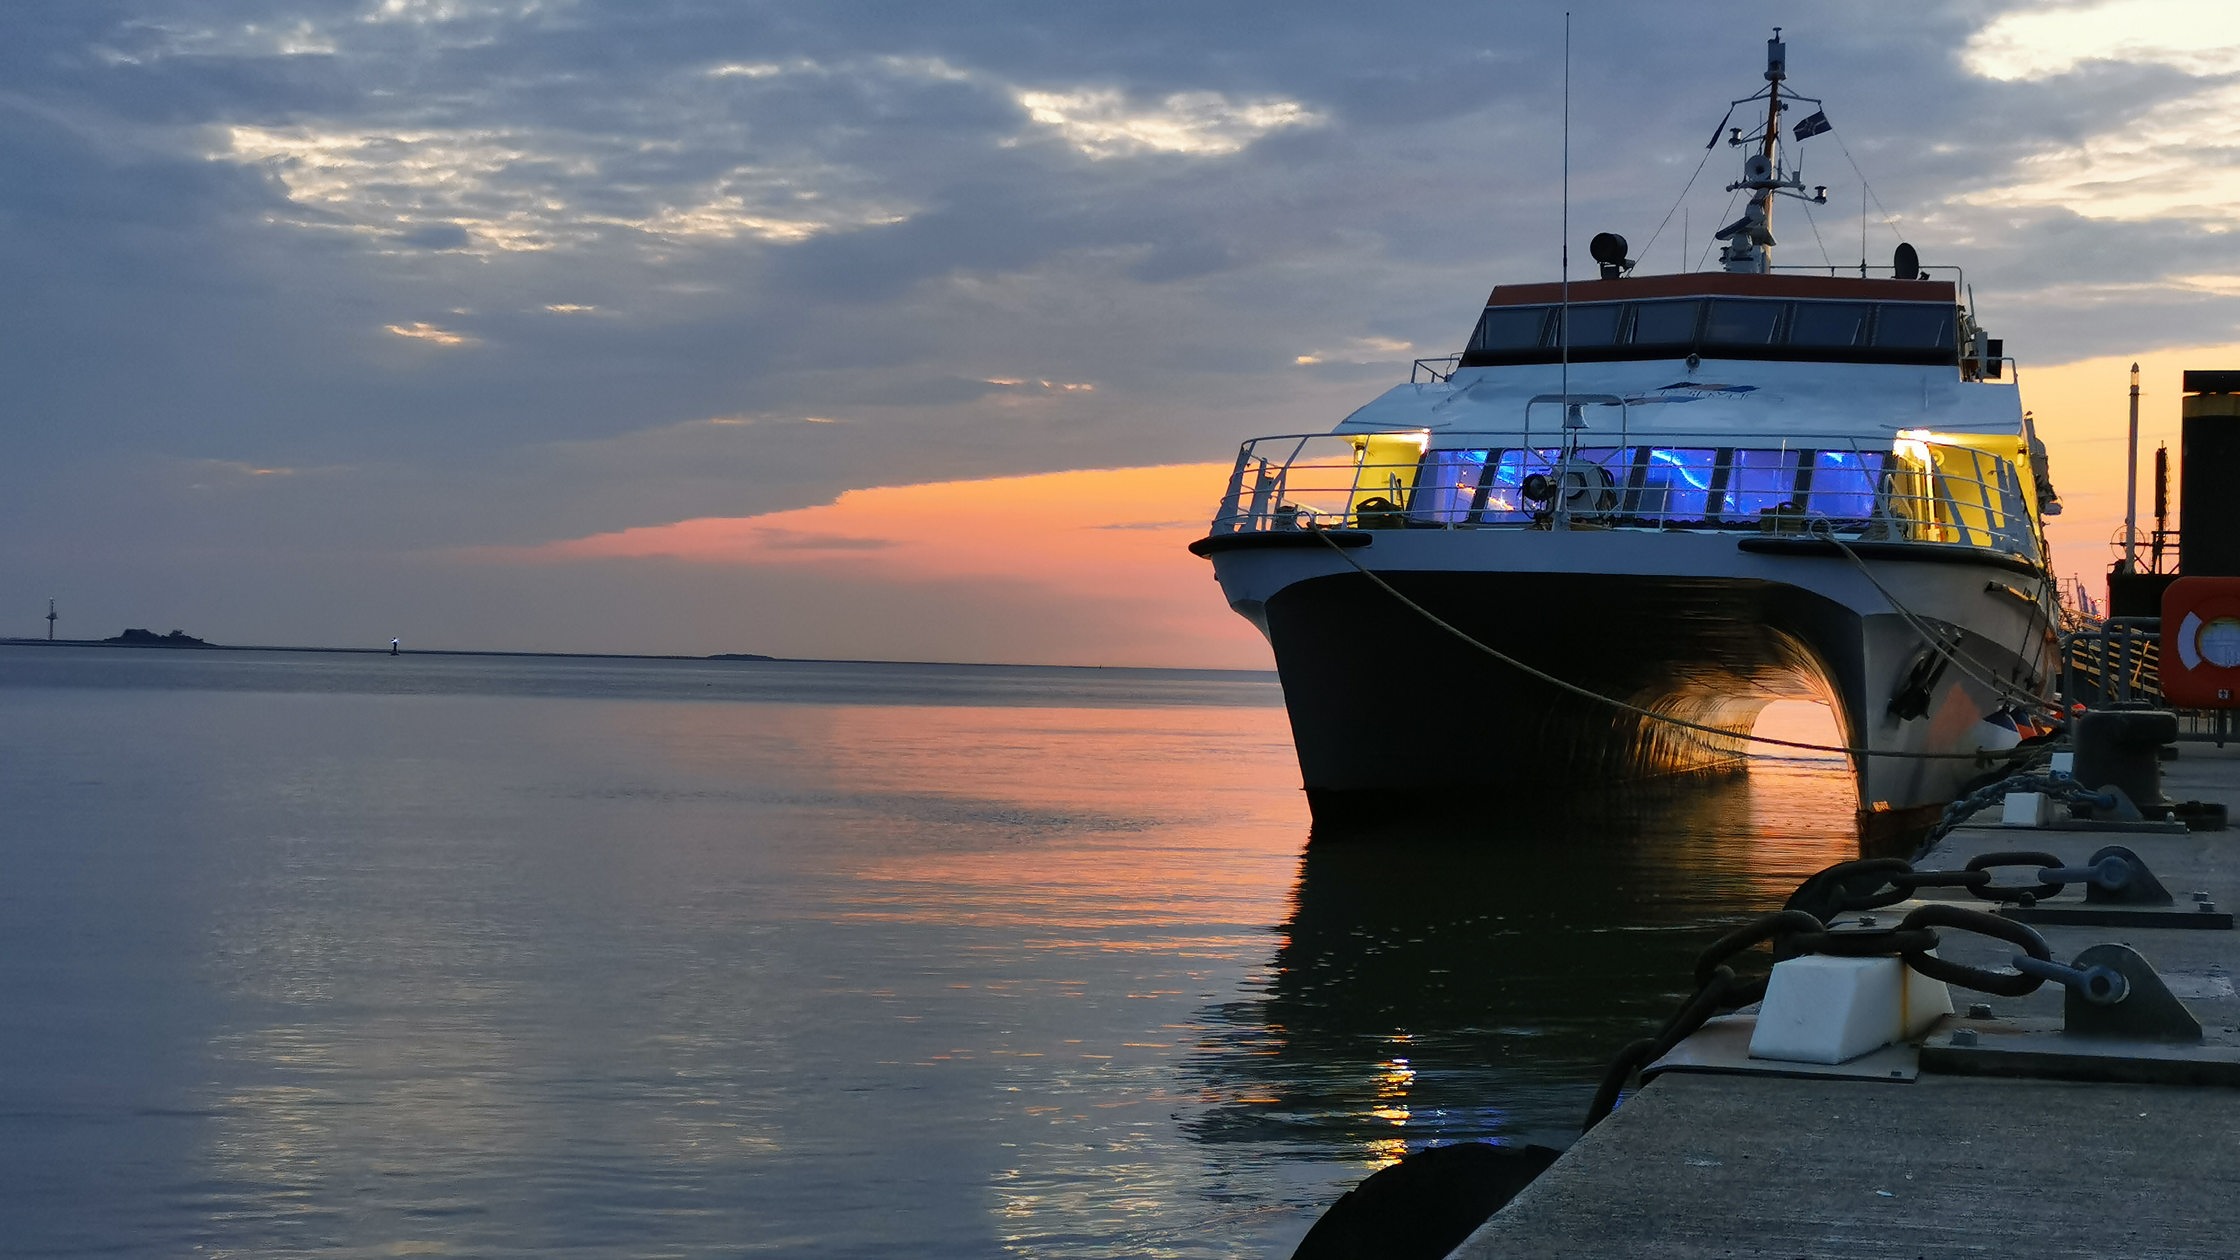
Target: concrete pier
1937	1164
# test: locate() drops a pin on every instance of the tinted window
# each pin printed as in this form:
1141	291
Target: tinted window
1505	494
1844	484
1665	323
1505	499
1914	326
1595	325
1759	480
1828	324
1675	484
1446	484
1741	323
1511	328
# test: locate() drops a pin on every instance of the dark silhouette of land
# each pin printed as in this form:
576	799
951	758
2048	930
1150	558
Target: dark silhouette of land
138	638
149	638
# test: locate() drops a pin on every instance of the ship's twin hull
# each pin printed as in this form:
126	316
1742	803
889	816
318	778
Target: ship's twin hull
1391	710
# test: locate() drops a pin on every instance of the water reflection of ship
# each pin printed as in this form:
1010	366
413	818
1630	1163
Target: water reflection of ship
1432	986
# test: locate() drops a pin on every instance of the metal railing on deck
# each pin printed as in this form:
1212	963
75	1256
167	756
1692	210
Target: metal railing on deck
1910	489
1436	370
2117	664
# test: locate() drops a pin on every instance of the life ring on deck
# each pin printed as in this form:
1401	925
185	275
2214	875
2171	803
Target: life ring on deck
2200	662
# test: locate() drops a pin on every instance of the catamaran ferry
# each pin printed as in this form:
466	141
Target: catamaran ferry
1635	510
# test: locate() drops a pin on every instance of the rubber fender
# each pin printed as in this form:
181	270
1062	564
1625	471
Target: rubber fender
1424	1206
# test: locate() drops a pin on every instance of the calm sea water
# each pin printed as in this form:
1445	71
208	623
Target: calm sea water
470	956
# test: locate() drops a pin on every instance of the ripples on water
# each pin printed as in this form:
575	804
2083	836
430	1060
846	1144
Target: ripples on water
490	957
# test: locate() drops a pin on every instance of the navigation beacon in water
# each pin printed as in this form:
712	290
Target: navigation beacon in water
1637	509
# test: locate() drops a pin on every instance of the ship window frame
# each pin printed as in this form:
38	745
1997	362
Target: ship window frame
1861	334
1884	311
1870	346
1719	488
1539	338
1685	344
1621	324
1776	329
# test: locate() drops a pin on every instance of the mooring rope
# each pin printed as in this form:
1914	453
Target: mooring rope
1621	705
1935	642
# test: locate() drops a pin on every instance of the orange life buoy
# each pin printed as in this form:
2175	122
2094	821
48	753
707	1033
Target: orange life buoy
2200	662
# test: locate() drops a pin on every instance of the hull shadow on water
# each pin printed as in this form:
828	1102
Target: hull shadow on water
1467	977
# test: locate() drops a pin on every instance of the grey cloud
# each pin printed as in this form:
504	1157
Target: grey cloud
169	307
436	236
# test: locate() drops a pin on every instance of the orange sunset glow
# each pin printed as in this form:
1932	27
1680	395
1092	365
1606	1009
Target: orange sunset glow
1113	539
2081	413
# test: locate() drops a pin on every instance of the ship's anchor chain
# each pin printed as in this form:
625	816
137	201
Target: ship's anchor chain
1872	883
2060	787
1800	928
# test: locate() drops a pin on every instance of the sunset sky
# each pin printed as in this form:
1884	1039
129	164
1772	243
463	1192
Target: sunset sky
923	331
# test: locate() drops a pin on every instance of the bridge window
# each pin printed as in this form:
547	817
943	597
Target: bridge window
1744	328
1828	324
1913	326
1741	323
1665	323
1512	328
1595	325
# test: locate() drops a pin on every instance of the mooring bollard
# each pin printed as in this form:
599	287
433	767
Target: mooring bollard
2121	748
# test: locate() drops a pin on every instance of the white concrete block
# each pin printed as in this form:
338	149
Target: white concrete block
2063	764
1831	1010
2026	809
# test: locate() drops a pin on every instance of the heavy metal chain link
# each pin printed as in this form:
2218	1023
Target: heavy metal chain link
1800	928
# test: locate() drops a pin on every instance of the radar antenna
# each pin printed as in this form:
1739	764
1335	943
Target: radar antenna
1751	236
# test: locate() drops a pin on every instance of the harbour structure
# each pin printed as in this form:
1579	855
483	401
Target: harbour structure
1636	509
2084	1105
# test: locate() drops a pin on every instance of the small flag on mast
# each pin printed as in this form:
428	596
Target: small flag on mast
1813	124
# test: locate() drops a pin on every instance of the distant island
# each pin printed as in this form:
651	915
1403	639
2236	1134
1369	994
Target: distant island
149	638
138	637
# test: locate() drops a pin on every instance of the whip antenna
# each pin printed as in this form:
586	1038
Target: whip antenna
1563	311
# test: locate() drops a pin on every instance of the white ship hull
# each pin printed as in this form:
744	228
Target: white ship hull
1390	710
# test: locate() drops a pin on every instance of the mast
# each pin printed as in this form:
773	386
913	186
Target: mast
1751	236
1777	69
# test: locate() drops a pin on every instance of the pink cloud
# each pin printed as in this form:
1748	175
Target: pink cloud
1113	540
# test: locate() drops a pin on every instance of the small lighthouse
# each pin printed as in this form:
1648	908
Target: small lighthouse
50	621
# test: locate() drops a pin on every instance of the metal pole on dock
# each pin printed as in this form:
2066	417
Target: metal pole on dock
2131	483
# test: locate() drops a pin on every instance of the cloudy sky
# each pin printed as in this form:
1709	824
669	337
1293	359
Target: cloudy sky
848	328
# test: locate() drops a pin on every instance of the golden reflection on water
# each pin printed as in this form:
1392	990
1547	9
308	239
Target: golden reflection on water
1096	940
1102	873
